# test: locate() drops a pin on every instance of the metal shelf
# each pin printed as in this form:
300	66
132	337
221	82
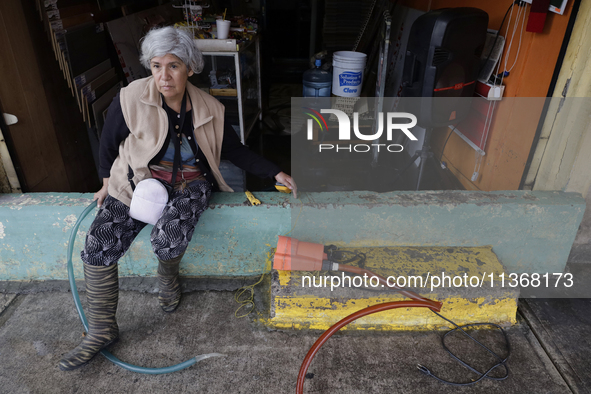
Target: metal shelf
244	109
247	70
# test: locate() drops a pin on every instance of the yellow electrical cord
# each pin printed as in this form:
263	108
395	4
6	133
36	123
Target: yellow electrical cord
249	301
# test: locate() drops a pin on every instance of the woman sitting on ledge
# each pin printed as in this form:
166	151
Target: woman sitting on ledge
156	127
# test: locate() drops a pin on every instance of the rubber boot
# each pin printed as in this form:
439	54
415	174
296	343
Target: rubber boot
102	295
169	296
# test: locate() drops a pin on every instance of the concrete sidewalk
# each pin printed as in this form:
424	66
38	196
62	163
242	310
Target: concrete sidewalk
37	328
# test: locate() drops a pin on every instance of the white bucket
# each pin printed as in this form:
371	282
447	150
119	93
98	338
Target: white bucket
347	73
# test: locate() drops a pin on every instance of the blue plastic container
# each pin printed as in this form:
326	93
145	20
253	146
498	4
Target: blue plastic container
317	82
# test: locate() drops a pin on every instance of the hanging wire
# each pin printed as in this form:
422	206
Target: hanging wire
249	300
520	17
521	12
245	295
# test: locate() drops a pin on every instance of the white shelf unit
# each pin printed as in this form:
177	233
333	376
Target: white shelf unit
247	70
244	60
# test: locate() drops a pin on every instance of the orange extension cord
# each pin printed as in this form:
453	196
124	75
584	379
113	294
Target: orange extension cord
336	327
417	302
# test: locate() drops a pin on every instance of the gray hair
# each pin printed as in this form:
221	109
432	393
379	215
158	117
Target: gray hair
161	41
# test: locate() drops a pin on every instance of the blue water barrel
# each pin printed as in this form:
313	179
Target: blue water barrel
317	82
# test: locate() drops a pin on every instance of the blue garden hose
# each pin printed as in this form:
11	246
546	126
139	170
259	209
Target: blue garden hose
107	354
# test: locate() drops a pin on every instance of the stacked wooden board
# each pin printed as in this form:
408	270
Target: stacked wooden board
87	41
81	49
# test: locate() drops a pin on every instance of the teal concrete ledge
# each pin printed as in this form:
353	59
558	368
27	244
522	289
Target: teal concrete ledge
529	231
231	239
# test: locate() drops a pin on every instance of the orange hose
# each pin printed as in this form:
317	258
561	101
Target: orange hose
354	316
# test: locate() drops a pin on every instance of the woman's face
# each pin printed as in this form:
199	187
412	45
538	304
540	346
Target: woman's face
170	74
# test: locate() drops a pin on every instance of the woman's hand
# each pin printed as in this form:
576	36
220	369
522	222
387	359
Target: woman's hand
102	194
288	181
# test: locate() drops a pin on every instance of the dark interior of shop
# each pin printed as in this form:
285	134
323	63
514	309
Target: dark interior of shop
69	38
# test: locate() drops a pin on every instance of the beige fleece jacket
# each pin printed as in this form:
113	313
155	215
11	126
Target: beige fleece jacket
141	104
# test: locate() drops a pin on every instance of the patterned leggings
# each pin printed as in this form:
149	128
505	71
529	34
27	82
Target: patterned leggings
113	230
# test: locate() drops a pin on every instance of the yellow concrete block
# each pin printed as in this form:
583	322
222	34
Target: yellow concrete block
466	280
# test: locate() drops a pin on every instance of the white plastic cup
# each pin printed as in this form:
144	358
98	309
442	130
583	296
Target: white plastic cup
347	74
223	28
